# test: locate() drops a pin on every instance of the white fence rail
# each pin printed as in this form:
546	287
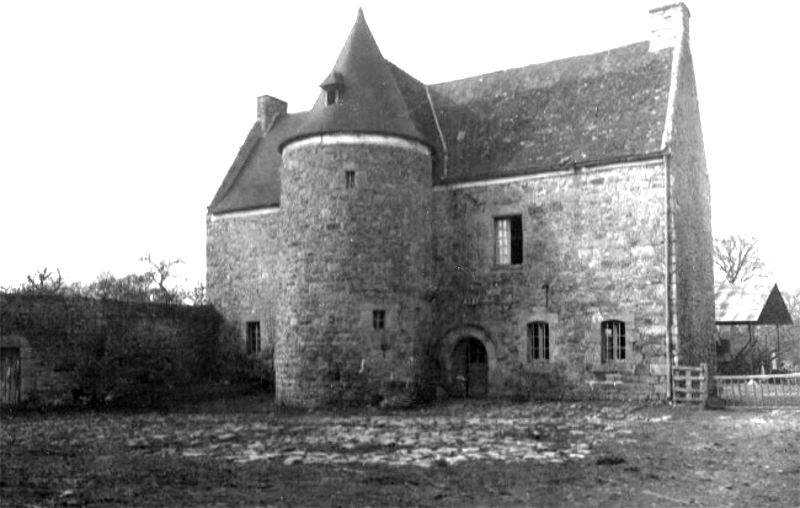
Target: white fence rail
765	390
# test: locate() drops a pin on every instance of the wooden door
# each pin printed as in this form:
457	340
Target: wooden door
471	368
10	375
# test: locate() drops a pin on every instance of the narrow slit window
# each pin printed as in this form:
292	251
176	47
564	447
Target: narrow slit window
349	179
538	341
378	319
612	345
253	343
508	240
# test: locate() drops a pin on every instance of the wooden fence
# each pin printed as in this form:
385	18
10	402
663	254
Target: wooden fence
765	390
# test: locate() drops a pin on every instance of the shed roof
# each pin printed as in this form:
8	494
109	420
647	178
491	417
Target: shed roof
751	304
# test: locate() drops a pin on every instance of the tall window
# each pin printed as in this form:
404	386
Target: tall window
349	179
612	345
253	344
538	341
508	240
378	319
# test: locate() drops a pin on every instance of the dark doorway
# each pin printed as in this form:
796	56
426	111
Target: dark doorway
9	375
471	368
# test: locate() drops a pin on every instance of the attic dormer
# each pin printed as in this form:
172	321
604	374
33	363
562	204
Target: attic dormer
332	87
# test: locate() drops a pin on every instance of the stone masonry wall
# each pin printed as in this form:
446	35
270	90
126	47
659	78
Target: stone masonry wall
107	349
349	252
242	258
596	239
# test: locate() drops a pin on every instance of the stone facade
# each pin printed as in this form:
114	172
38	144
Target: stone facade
562	253
593	250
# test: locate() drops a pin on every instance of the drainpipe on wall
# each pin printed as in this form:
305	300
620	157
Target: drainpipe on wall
668	278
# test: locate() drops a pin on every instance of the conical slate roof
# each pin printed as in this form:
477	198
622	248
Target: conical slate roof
369	100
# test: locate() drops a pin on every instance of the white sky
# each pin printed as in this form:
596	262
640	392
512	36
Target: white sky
119	119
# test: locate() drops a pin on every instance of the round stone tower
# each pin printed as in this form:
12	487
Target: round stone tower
353	314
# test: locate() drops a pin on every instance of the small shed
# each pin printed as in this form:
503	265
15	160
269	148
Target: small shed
749	306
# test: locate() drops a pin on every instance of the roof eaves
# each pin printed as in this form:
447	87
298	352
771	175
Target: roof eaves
566	166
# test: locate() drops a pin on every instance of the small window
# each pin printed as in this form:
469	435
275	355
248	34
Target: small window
349	179
508	240
612	346
253	337
538	341
378	319
331	96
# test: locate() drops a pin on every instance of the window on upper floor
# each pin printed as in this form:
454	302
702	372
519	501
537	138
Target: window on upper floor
538	340
331	96
508	240
253	337
349	179
378	319
612	341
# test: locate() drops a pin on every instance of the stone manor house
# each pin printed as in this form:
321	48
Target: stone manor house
542	230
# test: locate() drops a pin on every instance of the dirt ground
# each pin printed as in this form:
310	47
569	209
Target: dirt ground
246	452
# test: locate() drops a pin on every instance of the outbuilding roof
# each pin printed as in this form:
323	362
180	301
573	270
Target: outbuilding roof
584	110
751	304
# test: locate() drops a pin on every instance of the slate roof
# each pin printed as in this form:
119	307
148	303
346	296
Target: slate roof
595	107
751	304
253	180
584	110
369	101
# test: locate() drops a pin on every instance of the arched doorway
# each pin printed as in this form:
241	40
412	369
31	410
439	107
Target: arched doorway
471	368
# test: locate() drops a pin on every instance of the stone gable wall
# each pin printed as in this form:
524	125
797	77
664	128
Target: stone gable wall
596	239
243	265
693	239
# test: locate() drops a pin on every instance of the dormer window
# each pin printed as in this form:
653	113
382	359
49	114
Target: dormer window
332	87
331	96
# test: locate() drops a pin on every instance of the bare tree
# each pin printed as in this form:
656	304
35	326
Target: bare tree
44	282
159	274
738	258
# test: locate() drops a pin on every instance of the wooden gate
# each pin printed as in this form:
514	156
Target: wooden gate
765	390
10	375
689	384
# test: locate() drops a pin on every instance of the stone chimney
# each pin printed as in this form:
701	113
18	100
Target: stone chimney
268	107
669	25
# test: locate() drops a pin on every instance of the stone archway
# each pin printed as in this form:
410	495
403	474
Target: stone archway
468	357
471	368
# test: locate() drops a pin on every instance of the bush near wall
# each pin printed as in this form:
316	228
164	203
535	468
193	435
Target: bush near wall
121	352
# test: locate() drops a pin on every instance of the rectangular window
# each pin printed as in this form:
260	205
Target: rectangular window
253	343
538	341
378	319
508	240
612	346
331	96
349	179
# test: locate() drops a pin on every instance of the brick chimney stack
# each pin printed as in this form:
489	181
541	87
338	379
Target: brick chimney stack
669	26
268	107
